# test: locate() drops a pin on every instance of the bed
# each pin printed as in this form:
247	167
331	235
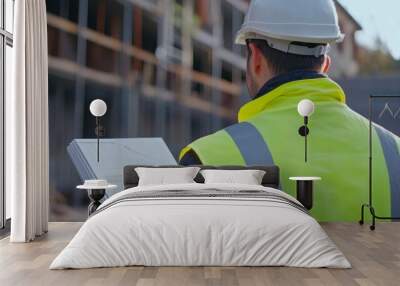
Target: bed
198	224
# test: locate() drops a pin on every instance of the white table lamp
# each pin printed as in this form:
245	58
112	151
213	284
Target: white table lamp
98	108
306	109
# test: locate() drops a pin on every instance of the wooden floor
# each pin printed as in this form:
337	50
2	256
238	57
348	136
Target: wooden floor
375	257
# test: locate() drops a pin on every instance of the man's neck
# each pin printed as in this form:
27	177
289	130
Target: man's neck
281	79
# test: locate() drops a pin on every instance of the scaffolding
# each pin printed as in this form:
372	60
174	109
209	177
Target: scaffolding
185	58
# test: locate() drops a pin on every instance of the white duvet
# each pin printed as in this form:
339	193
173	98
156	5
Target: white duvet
200	231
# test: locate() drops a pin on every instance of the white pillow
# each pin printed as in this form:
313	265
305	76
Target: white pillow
246	177
166	176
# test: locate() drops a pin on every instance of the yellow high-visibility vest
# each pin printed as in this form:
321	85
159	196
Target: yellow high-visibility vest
267	133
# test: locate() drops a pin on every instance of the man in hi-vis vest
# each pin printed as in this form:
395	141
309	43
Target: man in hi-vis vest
287	43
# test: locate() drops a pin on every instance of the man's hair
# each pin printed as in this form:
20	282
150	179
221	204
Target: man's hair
281	62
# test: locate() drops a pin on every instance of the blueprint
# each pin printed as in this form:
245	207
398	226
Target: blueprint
115	154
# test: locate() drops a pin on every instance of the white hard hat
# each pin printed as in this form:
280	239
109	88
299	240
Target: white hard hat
285	23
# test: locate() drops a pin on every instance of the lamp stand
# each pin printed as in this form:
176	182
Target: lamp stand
100	132
304	131
369	205
98	138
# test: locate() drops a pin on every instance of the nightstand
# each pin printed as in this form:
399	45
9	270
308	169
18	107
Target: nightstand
304	190
96	190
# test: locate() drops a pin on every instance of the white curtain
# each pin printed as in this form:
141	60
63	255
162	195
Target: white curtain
27	145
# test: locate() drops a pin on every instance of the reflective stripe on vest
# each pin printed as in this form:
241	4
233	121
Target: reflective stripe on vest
392	158
251	144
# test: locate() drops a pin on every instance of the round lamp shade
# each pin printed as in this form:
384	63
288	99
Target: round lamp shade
98	107
305	107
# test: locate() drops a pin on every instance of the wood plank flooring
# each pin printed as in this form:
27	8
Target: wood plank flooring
375	257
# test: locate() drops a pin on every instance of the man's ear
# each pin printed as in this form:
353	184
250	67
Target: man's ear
255	58
327	64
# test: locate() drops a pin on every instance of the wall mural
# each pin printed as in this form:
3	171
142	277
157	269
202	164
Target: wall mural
121	60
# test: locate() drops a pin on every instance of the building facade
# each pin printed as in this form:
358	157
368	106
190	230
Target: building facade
345	54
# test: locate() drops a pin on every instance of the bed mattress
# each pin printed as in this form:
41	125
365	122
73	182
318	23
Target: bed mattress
201	225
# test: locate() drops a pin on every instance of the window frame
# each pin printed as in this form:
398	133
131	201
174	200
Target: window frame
6	39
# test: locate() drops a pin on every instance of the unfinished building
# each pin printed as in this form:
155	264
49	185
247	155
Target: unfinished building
165	68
